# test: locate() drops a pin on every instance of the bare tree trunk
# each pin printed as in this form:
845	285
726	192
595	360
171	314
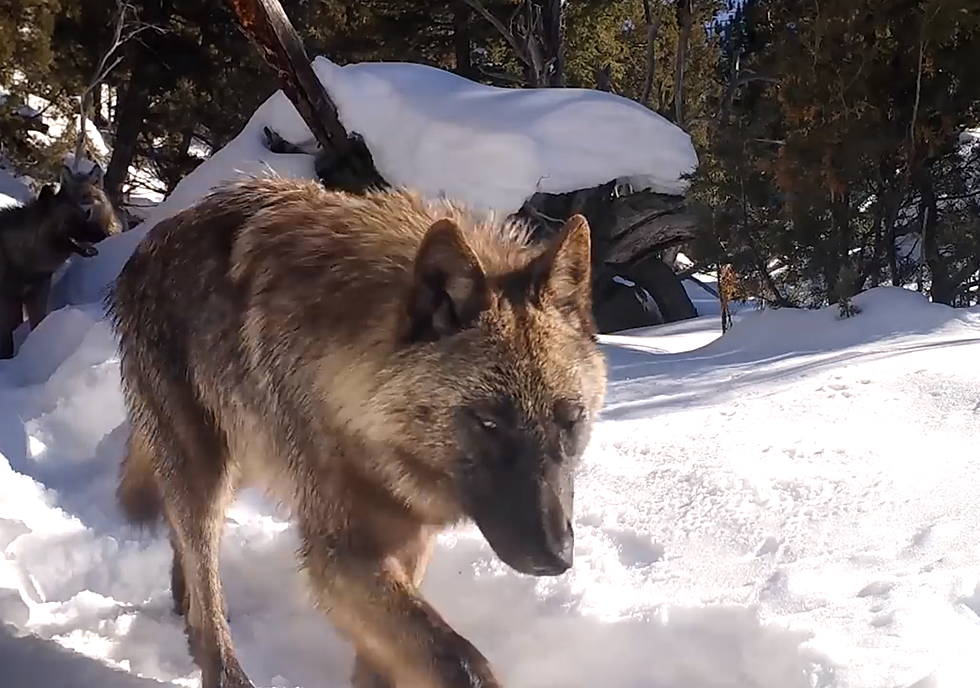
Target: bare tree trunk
941	289
84	107
839	256
685	19
461	39
133	108
726	277
98	104
124	30
552	20
653	29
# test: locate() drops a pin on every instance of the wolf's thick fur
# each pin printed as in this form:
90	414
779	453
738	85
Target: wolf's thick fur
385	367
37	238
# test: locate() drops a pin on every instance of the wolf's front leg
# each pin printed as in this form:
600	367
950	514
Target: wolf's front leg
11	316
36	303
376	604
414	559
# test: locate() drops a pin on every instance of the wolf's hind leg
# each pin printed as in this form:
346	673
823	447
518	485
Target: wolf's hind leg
197	488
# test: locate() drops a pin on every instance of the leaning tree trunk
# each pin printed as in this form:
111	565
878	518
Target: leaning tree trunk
344	162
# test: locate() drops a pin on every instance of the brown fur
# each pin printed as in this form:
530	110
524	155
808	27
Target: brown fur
382	365
36	239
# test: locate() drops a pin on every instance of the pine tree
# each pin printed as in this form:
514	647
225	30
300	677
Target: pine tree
825	150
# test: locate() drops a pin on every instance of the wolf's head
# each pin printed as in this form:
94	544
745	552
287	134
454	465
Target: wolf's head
89	215
514	379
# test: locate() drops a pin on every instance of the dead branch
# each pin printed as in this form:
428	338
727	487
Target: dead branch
535	37
501	29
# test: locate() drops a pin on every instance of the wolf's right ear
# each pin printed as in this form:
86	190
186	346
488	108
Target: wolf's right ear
47	194
449	287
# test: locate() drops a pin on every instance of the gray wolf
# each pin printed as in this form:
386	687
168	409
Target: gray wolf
384	366
37	238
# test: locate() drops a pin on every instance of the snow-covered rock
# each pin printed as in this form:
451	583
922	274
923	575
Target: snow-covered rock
492	148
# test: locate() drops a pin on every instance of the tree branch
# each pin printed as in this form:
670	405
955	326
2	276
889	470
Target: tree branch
503	30
737	81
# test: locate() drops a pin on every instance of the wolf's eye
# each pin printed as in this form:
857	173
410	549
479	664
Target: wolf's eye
568	414
483	419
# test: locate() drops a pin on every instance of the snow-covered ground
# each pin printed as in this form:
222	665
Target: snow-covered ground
792	505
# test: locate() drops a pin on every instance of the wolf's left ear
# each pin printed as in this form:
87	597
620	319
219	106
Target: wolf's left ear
449	287
564	271
96	175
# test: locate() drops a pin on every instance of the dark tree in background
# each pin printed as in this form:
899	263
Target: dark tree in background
837	158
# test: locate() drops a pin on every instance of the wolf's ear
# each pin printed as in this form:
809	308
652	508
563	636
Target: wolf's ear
96	175
47	194
449	287
563	273
65	176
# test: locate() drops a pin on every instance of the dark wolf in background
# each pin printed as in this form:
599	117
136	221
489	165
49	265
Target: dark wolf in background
87	192
37	238
385	367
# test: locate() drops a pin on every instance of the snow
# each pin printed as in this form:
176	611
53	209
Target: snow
502	144
12	190
793	504
759	509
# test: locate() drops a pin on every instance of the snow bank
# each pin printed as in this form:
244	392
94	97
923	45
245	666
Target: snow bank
493	148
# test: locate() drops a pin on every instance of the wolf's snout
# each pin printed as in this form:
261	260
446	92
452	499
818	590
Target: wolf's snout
560	545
